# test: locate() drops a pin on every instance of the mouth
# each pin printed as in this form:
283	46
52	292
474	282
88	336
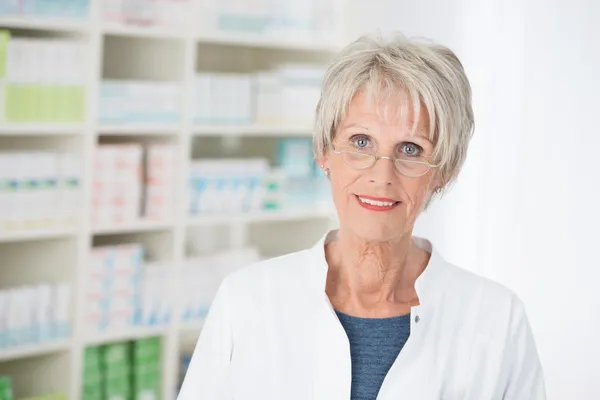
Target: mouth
376	203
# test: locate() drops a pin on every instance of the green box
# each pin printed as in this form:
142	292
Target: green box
147	351
92	368
147	394
44	103
13	103
118	388
146	381
147	369
92	357
92	392
6	392
76	104
116	353
115	371
31	95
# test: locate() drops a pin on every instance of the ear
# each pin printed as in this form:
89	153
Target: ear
438	181
323	162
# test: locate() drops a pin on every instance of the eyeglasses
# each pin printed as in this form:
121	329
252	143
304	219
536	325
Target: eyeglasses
408	168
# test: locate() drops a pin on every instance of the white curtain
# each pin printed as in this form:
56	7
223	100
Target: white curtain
526	209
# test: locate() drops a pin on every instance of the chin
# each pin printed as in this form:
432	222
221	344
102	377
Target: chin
378	233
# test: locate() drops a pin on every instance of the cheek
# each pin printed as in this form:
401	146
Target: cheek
342	184
416	190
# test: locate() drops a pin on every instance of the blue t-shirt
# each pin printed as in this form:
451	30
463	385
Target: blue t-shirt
374	345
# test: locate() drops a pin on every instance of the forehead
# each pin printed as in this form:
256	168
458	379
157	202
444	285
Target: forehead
393	113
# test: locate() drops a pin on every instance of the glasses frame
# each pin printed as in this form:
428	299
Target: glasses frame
375	158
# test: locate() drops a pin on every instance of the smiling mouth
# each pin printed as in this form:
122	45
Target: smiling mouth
376	203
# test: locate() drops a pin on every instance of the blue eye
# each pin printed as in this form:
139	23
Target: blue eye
411	149
360	141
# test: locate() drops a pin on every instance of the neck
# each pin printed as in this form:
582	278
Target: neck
367	276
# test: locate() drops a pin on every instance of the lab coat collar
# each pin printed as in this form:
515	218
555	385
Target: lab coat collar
429	285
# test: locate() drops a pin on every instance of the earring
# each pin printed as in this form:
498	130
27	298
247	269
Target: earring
438	189
325	170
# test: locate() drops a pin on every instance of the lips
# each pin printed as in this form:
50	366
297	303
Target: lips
376	203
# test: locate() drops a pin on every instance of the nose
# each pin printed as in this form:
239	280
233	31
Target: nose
383	172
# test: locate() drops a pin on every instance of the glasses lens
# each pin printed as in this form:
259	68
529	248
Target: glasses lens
412	168
358	160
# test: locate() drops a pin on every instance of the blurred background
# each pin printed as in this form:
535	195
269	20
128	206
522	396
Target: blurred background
150	147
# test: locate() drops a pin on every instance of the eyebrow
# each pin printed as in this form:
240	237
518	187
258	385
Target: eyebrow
367	129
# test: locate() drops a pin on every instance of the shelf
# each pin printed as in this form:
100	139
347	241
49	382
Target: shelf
41	129
29	22
263	216
139	130
39	235
266	42
191	327
251	130
33	351
132	333
138	31
139	226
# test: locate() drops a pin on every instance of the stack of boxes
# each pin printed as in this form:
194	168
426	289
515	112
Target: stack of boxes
227	186
123	371
117	184
134	102
112	301
46	8
117	371
147	369
288	95
31	315
156	296
41	80
121	294
121	189
6	392
39	191
305	183
284	96
221	98
301	20
92	375
160	175
238	186
147	12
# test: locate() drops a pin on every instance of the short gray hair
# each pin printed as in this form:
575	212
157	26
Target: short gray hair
429	75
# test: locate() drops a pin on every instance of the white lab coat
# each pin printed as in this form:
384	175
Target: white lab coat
271	333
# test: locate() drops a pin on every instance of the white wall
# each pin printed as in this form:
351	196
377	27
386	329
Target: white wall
526	209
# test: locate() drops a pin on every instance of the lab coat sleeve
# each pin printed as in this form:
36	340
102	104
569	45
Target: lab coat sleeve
525	375
207	372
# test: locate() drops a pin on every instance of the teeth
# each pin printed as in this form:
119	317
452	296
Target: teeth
376	203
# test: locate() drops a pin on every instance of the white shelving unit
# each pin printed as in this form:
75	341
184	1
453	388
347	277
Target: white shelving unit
34	351
71	248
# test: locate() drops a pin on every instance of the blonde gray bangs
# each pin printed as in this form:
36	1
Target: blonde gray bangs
404	78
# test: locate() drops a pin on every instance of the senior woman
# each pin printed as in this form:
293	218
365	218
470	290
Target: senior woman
371	312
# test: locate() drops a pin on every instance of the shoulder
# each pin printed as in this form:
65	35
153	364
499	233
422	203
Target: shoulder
268	279
490	304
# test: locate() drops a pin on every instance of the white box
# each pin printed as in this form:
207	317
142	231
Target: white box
62	301
69	189
43	312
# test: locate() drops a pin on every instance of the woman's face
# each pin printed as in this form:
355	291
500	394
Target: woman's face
379	204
